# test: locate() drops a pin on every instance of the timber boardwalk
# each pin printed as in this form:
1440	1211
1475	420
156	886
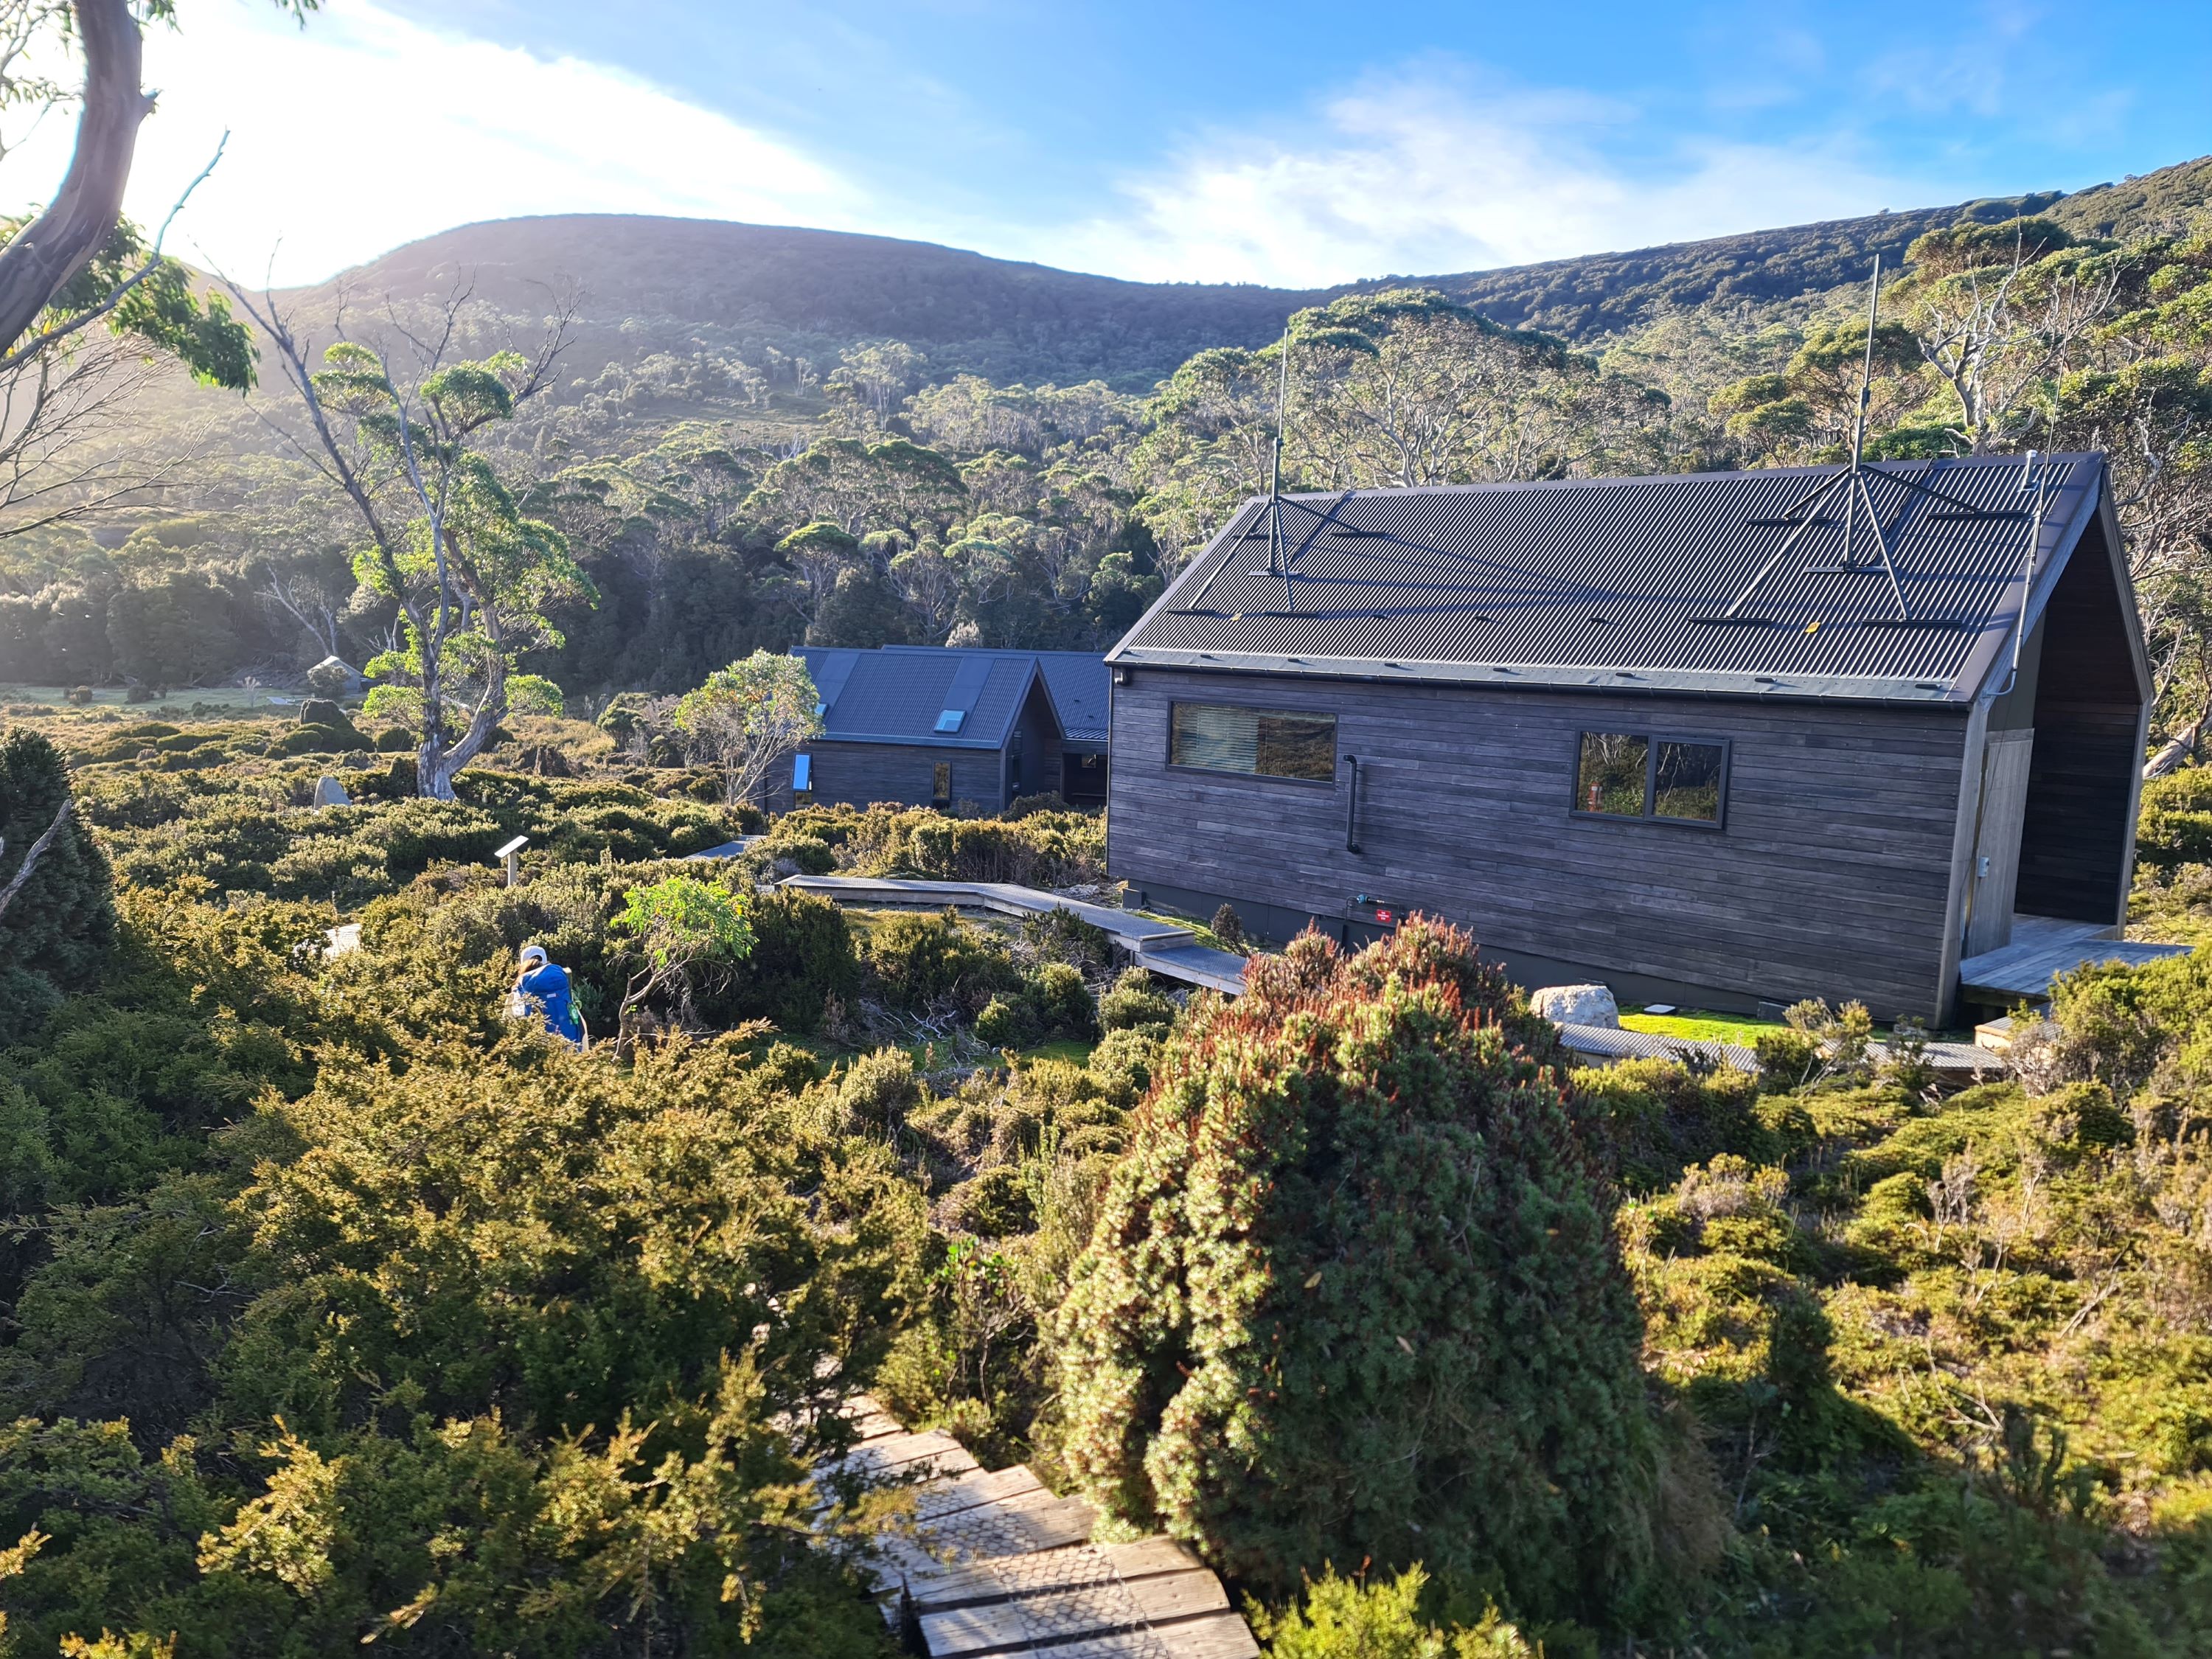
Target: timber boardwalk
1001	1565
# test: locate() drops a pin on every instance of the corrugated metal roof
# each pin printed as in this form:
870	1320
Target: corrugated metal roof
1624	581
1080	685
895	694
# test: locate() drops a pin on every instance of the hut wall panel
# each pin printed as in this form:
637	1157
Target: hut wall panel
2077	840
1831	877
862	774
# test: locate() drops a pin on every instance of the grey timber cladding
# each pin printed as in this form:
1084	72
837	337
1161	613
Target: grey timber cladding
862	774
1615	582
1831	878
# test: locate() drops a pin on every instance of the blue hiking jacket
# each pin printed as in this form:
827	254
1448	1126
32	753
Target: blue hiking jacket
547	990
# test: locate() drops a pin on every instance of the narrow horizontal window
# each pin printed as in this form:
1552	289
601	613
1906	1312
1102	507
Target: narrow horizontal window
1635	774
1273	742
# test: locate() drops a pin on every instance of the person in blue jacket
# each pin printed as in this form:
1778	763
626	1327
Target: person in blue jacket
542	989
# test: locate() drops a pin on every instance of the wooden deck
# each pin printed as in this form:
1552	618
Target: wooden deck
2041	950
998	1564
1158	947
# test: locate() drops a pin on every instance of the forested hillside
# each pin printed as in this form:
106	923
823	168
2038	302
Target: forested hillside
727	438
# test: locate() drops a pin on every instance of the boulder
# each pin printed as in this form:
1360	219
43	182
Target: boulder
329	791
1577	1004
321	711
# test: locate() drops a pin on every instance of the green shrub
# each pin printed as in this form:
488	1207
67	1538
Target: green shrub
2176	826
1787	1059
877	1093
1124	1063
1064	1005
1354	1294
2124	1026
1657	1116
808	854
395	740
1373	1618
1006	1023
1061	935
1229	927
920	960
803	960
1133	1004
994	1203
55	934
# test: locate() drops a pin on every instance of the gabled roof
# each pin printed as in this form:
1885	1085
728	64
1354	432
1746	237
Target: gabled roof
899	693
1639	583
1080	684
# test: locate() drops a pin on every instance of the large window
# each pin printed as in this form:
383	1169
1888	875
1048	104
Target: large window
1633	774
1273	742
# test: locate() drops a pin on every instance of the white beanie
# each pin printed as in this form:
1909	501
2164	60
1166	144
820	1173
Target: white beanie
533	953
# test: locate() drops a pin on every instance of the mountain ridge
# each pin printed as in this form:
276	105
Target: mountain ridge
817	289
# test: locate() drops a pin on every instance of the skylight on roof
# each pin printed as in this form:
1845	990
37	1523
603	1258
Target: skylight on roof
951	719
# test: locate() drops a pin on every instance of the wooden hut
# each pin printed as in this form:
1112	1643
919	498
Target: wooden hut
936	727
1729	739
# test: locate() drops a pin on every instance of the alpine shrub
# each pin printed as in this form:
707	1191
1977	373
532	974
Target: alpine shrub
1063	1002
1370	1618
803	958
1134	1005
1353	1293
936	959
56	932
2176	827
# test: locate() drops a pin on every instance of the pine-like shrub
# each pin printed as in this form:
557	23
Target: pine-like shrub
1133	1004
802	959
56	932
920	960
1353	1293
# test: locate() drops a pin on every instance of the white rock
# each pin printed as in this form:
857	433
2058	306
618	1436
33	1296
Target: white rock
1577	1004
329	791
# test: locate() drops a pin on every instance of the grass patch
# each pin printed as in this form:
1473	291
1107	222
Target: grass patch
225	697
1697	1025
1198	930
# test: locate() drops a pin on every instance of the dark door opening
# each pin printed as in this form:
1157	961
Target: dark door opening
1082	779
2077	829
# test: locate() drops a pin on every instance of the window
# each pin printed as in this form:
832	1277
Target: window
940	784
1274	742
802	772
1626	774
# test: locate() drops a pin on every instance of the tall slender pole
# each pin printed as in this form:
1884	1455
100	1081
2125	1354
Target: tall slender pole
1866	370
1275	561
1859	420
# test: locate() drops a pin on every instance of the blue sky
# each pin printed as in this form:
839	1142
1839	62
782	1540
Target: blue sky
1288	142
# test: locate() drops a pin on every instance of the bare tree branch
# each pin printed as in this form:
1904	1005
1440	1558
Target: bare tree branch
58	244
47	340
37	851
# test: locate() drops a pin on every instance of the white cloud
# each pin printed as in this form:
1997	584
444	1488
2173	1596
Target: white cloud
364	130
1434	172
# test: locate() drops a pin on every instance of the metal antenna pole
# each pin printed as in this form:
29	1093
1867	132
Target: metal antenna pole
1275	560
1866	370
1858	425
